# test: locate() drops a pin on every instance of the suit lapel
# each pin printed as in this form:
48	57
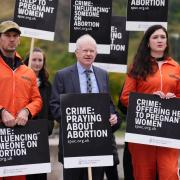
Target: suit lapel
75	79
99	79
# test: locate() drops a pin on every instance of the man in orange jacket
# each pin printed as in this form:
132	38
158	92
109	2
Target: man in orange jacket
19	97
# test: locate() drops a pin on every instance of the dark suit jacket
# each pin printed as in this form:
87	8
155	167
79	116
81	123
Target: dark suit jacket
67	81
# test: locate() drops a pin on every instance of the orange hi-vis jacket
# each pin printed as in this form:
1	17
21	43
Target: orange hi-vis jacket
18	89
165	79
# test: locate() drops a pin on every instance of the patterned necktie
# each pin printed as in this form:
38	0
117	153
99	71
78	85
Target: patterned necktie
88	80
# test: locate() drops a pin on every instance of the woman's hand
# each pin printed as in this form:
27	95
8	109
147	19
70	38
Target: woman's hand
169	95
160	94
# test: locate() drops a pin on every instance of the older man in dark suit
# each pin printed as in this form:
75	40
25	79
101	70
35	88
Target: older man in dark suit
73	79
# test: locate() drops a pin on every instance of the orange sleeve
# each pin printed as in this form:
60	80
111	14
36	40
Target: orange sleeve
35	104
178	89
129	86
178	84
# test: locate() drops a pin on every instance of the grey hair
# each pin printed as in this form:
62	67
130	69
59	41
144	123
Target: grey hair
85	37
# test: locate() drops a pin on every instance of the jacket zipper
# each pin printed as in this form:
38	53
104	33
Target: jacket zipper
160	64
13	87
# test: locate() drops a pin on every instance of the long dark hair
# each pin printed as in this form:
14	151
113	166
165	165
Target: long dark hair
43	74
142	63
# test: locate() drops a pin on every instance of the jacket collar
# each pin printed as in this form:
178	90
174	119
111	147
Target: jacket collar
75	78
9	61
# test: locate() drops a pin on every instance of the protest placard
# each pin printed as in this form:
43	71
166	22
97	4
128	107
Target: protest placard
142	14
91	17
116	61
86	132
153	121
24	150
36	18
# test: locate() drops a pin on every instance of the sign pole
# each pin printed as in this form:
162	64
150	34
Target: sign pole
89	173
31	51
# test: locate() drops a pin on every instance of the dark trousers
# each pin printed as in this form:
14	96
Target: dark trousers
36	177
127	164
111	172
82	173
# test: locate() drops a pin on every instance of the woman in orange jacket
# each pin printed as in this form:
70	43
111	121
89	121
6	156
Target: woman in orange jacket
153	72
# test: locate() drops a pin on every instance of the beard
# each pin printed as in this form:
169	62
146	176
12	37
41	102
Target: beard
9	51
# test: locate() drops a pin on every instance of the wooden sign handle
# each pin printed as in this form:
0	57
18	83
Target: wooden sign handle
89	173
31	51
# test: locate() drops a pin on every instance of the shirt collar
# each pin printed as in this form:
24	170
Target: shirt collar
81	69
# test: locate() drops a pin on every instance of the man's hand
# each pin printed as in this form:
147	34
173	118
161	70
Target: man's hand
8	119
22	117
113	119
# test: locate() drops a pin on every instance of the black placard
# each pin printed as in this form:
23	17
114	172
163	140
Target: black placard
86	130
24	150
91	17
154	121
116	61
141	14
36	17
